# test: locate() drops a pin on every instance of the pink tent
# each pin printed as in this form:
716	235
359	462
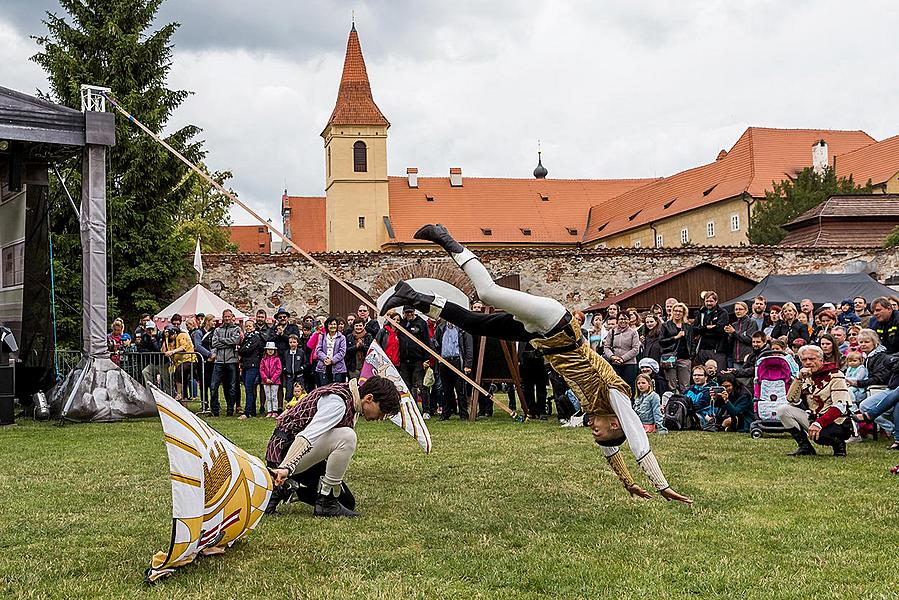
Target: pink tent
198	300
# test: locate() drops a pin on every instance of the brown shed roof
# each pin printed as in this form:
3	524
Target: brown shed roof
684	284
868	206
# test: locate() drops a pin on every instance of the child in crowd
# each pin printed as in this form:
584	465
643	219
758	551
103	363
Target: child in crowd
299	392
294	363
647	405
855	370
270	373
711	372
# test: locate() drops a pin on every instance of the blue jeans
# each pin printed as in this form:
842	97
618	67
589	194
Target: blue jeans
250	381
883	407
224	374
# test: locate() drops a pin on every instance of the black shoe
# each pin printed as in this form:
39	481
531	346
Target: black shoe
280	494
839	448
440	236
328	506
805	446
405	295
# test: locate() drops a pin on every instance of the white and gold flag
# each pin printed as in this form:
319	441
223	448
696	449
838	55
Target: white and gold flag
219	492
409	418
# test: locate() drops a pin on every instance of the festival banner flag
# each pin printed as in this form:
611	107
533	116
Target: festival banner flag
409	418
198	261
219	492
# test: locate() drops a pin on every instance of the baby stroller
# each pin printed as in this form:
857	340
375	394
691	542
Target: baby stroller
772	380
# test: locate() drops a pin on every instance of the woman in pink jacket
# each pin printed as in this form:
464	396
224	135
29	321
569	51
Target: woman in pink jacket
270	373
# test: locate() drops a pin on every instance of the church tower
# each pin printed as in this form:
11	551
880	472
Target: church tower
356	161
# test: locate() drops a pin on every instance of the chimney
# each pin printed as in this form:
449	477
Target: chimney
455	177
412	174
819	157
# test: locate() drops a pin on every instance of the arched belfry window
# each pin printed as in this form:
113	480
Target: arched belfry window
360	158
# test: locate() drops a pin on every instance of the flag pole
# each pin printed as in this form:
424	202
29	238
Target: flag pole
305	254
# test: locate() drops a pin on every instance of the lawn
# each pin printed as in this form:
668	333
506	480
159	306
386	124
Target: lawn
498	510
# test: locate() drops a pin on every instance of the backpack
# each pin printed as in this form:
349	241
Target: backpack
678	413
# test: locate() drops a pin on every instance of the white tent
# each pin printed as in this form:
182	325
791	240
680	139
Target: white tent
198	300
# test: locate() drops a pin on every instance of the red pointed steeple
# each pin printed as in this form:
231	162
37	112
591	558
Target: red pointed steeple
355	105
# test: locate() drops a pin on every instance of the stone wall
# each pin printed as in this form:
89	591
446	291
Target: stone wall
577	278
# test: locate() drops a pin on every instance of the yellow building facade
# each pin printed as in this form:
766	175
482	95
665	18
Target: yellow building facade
356	186
724	223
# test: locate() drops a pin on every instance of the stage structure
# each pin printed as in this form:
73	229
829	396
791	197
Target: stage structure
97	389
36	136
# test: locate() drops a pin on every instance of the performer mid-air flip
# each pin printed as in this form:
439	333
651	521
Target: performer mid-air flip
546	324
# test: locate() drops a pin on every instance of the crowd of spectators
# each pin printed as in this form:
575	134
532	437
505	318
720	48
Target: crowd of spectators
843	361
846	353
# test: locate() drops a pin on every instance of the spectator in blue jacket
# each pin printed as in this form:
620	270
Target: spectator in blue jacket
701	398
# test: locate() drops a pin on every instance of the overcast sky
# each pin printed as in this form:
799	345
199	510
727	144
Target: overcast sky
612	89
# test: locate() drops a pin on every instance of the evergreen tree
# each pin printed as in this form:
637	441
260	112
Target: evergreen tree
792	197
111	44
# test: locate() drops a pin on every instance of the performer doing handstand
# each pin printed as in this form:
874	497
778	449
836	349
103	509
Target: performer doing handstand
546	324
313	442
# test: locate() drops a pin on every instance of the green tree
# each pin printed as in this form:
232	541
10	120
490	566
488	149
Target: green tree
204	212
792	197
110	43
892	239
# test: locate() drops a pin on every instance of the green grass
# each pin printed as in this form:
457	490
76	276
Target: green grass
498	510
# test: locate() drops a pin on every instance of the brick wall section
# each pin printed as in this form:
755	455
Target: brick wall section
576	278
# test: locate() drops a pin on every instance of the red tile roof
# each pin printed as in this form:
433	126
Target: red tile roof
355	104
507	208
308	223
761	156
254	239
878	162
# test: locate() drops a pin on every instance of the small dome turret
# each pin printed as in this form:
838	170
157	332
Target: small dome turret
540	172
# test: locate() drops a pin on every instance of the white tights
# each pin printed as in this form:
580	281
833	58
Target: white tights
537	313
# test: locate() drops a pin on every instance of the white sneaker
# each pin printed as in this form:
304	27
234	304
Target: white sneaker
564	422
855	439
426	416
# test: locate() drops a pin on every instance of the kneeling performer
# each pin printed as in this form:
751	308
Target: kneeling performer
546	325
314	441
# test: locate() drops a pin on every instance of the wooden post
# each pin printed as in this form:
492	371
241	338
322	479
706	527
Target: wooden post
479	370
511	353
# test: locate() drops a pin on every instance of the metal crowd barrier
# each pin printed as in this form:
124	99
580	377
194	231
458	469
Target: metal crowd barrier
156	368
66	361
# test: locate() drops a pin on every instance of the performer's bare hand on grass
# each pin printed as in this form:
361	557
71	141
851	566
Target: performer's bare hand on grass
669	494
635	490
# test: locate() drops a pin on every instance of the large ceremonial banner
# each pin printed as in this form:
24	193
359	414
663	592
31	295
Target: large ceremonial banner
409	418
219	492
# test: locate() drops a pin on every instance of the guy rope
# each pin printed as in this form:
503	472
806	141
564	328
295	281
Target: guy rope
302	252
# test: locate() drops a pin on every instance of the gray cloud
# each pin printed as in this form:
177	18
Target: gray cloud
613	89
